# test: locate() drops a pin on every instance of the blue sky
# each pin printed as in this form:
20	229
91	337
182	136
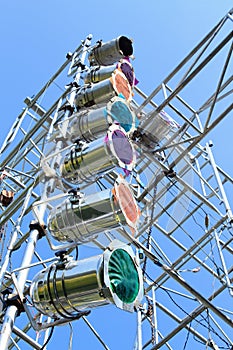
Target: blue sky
35	37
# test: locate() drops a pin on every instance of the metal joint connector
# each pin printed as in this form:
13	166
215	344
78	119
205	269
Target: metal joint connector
35	225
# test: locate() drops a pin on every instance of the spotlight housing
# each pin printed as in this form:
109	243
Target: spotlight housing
89	125
98	73
65	288
85	163
91	215
153	130
100	93
110	52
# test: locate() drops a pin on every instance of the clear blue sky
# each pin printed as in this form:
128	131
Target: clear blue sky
35	37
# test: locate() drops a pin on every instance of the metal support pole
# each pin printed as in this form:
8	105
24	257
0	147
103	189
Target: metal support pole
220	185
138	343
12	310
14	236
228	282
156	335
26	338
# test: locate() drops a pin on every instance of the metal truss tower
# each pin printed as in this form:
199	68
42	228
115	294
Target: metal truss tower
176	233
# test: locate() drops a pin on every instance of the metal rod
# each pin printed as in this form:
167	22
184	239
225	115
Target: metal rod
13	131
180	280
60	144
220	185
202	299
96	334
228	283
190	252
14	236
191	76
183	62
221	330
26	338
178	320
218	87
36	264
31	103
138	342
192	315
12	310
202	181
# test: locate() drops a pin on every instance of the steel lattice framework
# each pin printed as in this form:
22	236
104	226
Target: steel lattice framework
184	236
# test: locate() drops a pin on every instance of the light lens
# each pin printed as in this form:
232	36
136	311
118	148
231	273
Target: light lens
122	147
121	113
123	276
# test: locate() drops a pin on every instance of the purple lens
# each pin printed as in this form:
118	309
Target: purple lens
128	72
122	147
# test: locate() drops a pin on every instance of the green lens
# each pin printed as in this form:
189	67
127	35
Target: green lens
123	276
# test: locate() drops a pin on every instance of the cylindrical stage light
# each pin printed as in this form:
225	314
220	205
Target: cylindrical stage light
111	51
65	288
153	130
89	125
91	215
92	159
102	92
97	74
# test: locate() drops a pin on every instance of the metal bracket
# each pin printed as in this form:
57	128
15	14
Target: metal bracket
14	299
35	225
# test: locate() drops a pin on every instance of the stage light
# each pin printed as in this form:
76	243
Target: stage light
83	220
152	130
86	162
98	73
89	125
67	287
110	52
100	93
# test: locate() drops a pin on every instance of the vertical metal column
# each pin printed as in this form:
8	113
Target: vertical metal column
11	313
14	236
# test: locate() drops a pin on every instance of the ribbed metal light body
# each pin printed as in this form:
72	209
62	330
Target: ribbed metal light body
97	94
110	52
97	157
62	292
98	73
63	289
81	222
92	124
153	130
91	215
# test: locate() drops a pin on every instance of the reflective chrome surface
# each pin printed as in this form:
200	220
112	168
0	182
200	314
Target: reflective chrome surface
66	287
95	94
89	125
155	129
97	74
63	291
92	124
99	93
85	163
83	221
111	51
